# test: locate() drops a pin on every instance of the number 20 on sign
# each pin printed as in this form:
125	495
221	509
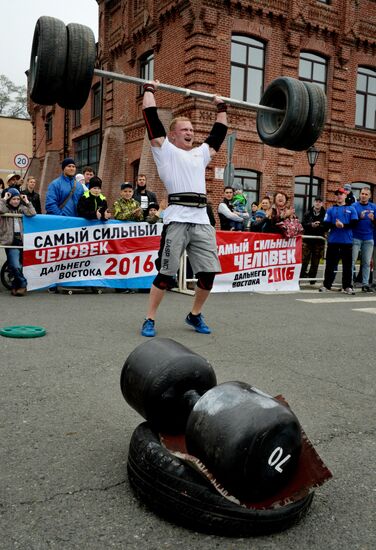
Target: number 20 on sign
21	160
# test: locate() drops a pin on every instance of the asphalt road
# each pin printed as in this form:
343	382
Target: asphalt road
65	427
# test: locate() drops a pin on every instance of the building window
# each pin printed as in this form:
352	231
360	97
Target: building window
302	193
366	98
96	101
147	67
48	127
247	68
249	181
87	152
76	118
313	68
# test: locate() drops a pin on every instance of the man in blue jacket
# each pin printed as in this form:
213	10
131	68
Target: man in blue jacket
64	192
340	219
363	235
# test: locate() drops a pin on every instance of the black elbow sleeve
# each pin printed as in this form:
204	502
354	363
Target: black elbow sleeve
216	136
154	126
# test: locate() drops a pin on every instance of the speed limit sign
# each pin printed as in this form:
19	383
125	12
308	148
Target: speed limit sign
21	160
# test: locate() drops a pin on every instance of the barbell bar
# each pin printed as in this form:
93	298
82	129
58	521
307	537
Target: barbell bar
187	92
291	113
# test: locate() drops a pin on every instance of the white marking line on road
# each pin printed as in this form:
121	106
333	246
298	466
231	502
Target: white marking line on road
336	300
367	310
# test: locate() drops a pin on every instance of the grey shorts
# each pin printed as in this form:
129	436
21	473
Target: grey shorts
199	242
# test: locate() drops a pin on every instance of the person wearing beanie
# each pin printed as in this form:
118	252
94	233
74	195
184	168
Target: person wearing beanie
143	195
11	234
92	205
350	197
261	223
64	192
152	213
126	208
313	249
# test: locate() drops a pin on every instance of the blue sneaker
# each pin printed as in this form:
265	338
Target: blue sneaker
148	328
198	323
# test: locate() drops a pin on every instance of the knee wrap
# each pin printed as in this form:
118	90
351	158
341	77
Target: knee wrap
163	282
205	280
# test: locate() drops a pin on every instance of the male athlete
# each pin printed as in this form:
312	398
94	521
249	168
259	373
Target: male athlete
181	167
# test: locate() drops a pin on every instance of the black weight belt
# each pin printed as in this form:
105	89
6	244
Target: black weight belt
197	200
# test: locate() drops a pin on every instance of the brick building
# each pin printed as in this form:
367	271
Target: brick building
235	49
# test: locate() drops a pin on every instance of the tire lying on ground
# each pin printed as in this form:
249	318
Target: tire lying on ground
177	492
283	129
47	60
79	67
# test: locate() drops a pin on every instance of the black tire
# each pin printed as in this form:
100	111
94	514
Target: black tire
175	491
283	130
79	68
316	119
5	276
162	379
47	61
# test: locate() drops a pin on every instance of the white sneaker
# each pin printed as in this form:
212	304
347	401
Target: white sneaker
349	290
324	289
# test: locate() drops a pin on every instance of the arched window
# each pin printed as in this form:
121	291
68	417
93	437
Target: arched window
365	116
48	127
301	193
96	103
247	68
313	68
249	181
146	67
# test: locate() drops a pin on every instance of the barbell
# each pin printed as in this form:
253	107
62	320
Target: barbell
291	113
247	439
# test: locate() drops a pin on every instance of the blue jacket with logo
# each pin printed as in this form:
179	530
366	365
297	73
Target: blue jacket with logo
365	226
345	214
58	191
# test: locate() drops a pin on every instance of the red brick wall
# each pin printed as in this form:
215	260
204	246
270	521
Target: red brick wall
192	49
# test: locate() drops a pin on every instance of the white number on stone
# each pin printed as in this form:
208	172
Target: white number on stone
275	459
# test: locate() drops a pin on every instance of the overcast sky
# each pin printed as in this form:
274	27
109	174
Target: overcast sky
18	18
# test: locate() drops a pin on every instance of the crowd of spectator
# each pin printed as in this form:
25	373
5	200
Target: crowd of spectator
348	227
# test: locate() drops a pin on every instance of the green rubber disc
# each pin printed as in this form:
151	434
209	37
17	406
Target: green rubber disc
22	331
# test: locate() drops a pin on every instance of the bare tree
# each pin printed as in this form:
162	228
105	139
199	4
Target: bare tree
13	99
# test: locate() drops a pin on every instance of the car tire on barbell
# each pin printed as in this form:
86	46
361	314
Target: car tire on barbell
283	129
176	491
162	379
47	61
79	68
316	118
